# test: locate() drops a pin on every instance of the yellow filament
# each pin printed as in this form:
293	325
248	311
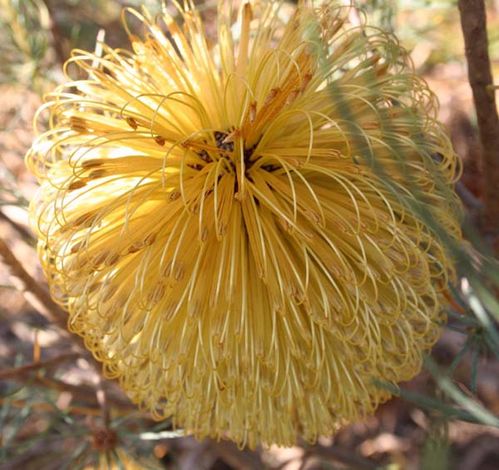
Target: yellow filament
215	221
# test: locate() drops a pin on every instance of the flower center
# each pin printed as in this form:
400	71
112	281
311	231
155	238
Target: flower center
226	149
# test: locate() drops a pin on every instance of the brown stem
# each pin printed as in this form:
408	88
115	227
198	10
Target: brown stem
49	407
474	26
85	393
81	392
26	235
26	369
37	296
42	301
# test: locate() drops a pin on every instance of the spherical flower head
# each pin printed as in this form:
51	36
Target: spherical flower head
225	217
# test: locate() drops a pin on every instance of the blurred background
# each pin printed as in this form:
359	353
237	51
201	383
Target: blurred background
55	410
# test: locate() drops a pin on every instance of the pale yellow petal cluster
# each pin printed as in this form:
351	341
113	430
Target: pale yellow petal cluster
213	217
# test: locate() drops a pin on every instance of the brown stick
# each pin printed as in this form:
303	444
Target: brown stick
77	410
37	296
474	26
26	369
42	301
26	235
85	393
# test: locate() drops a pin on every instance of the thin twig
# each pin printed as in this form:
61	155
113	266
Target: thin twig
28	368
474	26
35	294
77	410
83	392
25	233
41	300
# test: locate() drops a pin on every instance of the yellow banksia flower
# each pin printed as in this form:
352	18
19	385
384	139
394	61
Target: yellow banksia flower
213	217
